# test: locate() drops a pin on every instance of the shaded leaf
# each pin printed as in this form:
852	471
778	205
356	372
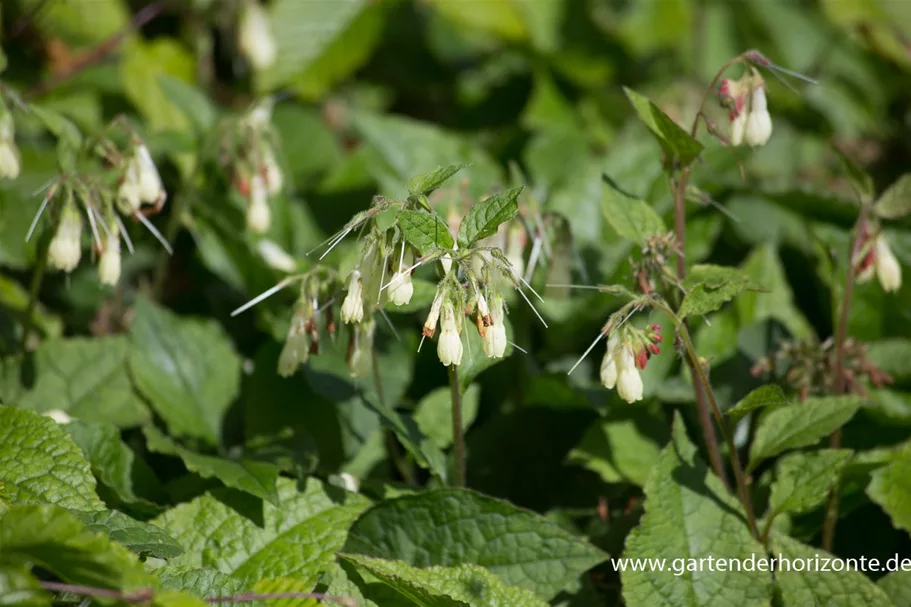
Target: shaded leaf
803	479
895	202
632	218
485	217
434	413
762	397
19	588
674	140
142	538
890	487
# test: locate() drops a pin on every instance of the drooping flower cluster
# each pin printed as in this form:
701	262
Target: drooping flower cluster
873	256
254	35
745	99
10	165
628	352
140	183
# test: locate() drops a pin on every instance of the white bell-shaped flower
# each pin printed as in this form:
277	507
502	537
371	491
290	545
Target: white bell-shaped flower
758	127
494	341
297	346
259	215
629	382
888	270
446	259
129	194
272	173
255	38
109	263
66	245
430	325
9	160
738	128
353	305
151	190
401	288
449	346
609	364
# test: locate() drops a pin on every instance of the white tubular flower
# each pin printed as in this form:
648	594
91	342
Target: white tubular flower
129	195
9	155
58	415
738	128
272	172
495	337
297	346
446	260
609	364
888	270
66	246
255	38
276	257
430	325
401	288
353	306
629	382
350	482
758	128
151	190
449	346
261	115
109	264
259	216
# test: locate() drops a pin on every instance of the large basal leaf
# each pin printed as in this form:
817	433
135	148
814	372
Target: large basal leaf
897	585
485	217
803	479
50	537
769	396
256	478
202	582
890	487
632	218
809	586
800	425
298	538
709	287
689	515
465	584
40	463
142	538
896	201
187	369
114	463
426	231
676	142
450	527
87	378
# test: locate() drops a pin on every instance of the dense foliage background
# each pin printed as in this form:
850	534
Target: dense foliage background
186	464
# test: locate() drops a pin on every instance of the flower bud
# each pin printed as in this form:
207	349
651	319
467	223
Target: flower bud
259	216
494	339
297	344
609	364
109	263
430	325
66	246
449	346
446	259
255	38
888	270
353	306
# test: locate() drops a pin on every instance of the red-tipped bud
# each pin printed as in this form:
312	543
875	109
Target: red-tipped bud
641	359
654	349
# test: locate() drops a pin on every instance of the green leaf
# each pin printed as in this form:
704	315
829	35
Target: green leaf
449	527
425	231
256	478
690	515
186	368
674	140
622	448
298	538
897	585
777	300
803	479
502	18
40	463
474	360
768	396
848	588
800	425
485	217
18	588
465	584
87	378
860	179
194	104
113	463
50	537
205	583
890	487
892	356
895	202
631	218
141	70
142	538
434	413
708	287
424	185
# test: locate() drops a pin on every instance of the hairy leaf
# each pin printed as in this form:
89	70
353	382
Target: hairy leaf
897	585
632	218
676	142
485	217
769	396
142	538
890	487
803	479
427	183
425	231
895	202
709	287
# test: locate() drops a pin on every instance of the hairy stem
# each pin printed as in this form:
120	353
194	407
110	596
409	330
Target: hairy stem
34	289
458	437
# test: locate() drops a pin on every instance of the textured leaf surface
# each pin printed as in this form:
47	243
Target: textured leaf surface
460	585
803	480
40	463
673	139
425	231
142	538
428	182
709	287
298	538
897	585
621	449
763	397
186	368
890	487
896	201
688	514
632	218
453	526
87	378
800	425
205	583
485	217
810	587
52	538
256	478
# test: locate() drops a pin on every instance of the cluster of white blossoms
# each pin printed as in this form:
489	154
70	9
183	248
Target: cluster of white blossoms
254	36
751	123
258	175
140	184
878	259
10	166
628	352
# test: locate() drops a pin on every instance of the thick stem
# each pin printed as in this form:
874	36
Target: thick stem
458	436
34	289
841	335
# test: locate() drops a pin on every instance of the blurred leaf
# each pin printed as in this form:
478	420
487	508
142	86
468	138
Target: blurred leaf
777	300
652	25
800	425
898	586
145	66
769	396
895	202
427	183
892	356
689	512
87	378
675	142
862	182
485	217
19	588
425	231
195	105
40	463
633	219
502	18
142	538
708	287
256	478
434	413
890	487
187	369
802	480
514	544
79	23
462	585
